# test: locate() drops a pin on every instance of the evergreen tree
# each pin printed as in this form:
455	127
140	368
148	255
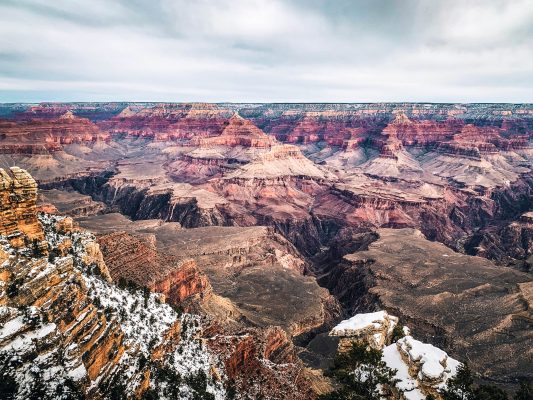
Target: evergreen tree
397	333
460	386
525	392
361	372
489	392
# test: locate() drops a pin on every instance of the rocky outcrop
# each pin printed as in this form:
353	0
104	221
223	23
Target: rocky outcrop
268	354
66	331
428	367
420	369
18	198
280	162
373	328
237	132
95	344
137	260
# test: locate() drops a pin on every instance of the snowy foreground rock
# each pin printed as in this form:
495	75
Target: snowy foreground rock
421	368
67	332
372	328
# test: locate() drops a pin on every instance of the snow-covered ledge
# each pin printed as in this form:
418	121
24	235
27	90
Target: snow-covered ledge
373	328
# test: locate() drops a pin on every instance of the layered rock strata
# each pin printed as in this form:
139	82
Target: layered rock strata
18	198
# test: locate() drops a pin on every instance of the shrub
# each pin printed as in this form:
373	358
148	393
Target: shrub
397	333
361	372
460	386
525	392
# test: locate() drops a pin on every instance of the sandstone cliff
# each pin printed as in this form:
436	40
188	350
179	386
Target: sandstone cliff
18	198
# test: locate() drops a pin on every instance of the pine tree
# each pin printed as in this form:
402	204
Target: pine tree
489	392
525	392
460	386
362	372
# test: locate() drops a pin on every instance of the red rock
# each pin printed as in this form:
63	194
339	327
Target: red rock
42	135
237	132
137	260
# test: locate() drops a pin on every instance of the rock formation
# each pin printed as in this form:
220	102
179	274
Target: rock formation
237	132
231	271
67	330
322	177
41	135
18	198
136	260
420	368
372	328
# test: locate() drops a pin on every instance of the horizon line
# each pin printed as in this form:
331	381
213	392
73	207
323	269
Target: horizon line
262	102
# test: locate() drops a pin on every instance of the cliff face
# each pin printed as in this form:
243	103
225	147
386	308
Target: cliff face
512	243
164	122
67	330
136	260
38	135
228	272
18	198
62	318
265	353
60	314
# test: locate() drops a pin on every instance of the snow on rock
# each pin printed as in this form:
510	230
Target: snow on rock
407	384
374	328
421	368
432	364
55	305
143	319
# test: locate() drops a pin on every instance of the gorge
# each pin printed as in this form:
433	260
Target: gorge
261	226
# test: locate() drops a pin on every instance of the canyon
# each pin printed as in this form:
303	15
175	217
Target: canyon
272	222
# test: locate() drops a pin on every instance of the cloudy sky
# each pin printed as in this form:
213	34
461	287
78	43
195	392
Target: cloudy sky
266	50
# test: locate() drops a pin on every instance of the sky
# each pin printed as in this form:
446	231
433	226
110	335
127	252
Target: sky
266	50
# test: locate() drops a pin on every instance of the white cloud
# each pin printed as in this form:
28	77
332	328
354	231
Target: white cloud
270	50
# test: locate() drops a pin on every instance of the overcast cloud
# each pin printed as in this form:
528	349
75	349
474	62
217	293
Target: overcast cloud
266	50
